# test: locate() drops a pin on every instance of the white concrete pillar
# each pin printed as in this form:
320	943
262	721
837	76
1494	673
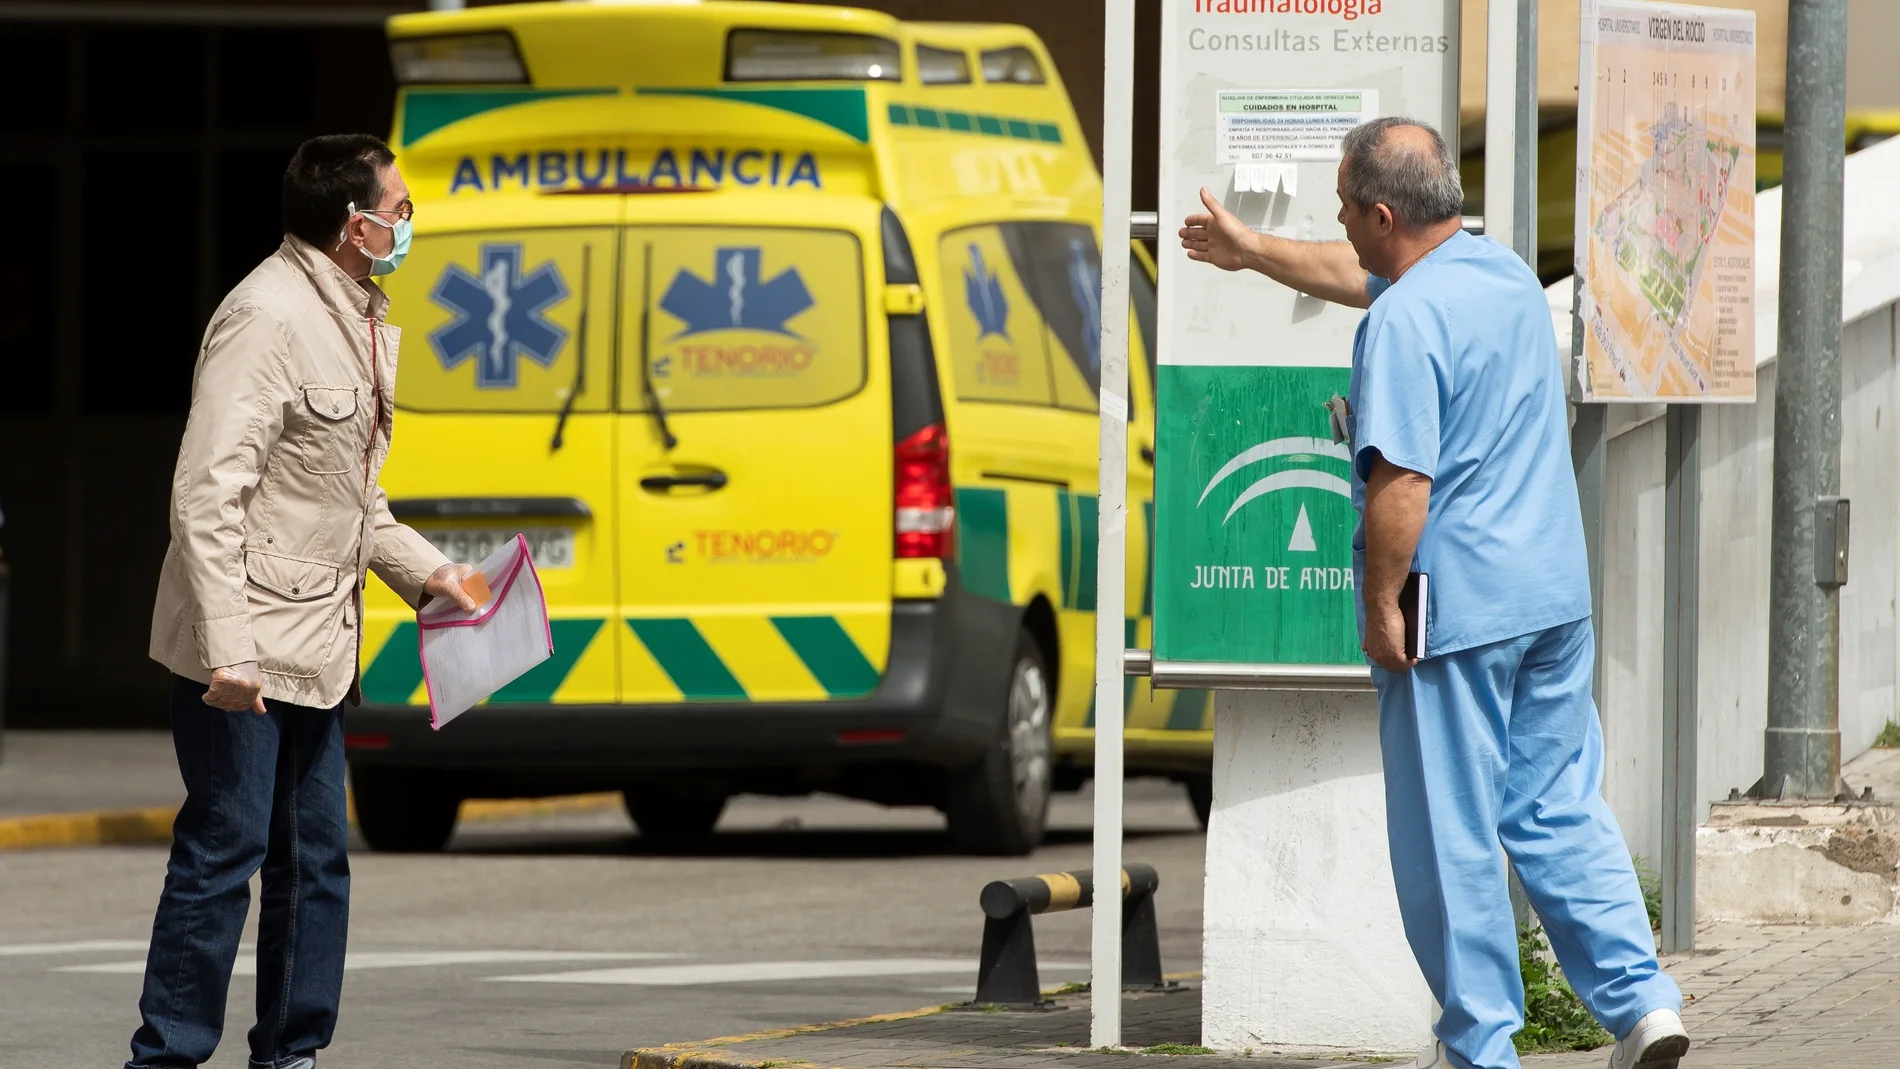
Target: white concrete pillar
1302	944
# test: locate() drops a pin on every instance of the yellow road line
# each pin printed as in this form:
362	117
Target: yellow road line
132	827
694	1052
95	828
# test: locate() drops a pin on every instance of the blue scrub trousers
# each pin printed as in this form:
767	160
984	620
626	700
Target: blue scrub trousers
1499	744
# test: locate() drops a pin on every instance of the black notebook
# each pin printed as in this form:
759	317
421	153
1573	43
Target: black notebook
1413	600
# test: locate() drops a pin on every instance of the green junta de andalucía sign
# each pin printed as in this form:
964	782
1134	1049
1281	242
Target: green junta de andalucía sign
1254	518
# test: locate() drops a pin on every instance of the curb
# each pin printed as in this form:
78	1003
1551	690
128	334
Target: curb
694	1055
153	826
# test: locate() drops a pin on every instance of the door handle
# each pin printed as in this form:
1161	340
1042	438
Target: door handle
711	480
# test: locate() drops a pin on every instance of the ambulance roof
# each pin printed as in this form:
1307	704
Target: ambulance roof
547	97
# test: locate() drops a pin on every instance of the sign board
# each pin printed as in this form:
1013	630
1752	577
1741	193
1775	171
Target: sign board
1666	203
1253	501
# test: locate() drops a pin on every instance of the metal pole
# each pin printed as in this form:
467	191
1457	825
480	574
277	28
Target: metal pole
1500	119
1510	177
446	5
1802	752
1682	533
1118	112
1524	137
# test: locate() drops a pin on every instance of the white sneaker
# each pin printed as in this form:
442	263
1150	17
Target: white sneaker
1657	1042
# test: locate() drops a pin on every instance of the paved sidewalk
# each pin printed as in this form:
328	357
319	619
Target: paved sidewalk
1760	998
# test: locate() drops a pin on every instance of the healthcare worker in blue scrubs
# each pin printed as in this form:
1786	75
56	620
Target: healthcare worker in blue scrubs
1461	470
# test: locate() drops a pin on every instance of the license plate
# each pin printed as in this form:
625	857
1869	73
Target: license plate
551	547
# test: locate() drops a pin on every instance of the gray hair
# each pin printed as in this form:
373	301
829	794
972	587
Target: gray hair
1421	188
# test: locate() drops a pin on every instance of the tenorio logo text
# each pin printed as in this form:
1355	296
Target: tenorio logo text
765	545
1345	9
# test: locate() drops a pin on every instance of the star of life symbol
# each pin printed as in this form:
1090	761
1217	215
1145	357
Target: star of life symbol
1085	285
499	316
736	298
984	292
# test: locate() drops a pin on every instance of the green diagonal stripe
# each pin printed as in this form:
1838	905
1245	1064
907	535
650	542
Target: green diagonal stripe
1088	518
424	111
397	670
1065	517
687	660
834	659
538	684
1189	711
841	109
1148	573
983	541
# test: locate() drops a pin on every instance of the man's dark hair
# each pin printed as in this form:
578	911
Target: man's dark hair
1421	187
325	177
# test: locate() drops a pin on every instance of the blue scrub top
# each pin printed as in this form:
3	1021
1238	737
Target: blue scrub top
1455	375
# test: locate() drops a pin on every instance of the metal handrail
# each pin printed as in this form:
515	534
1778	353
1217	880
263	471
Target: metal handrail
1216	675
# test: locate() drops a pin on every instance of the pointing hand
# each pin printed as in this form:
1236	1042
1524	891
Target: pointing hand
1216	236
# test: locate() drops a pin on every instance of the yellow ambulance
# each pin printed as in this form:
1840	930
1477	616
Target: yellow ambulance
773	328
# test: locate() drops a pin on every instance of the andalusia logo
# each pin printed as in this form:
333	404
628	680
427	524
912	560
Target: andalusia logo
1301	463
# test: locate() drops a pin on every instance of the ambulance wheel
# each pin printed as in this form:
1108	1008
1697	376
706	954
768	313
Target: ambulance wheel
1000	805
404	811
671	817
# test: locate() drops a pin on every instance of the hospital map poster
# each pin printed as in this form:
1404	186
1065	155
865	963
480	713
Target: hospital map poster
1665	229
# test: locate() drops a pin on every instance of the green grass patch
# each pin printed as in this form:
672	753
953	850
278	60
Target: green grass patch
1889	738
1067	989
1177	1048
1651	884
1554	1017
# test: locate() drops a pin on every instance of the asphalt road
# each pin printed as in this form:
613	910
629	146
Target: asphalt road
566	940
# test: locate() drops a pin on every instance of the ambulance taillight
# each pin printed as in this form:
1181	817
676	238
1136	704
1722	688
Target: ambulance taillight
926	517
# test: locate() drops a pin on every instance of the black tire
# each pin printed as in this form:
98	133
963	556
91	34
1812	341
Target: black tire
671	817
1200	792
404	811
999	806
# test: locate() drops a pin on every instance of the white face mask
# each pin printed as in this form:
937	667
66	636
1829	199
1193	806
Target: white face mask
384	265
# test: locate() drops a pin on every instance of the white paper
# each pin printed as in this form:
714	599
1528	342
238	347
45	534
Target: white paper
468	656
1267	178
1287	125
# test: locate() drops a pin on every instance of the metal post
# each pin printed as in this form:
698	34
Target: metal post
1500	119
1510	175
446	5
1802	752
1118	112
1682	533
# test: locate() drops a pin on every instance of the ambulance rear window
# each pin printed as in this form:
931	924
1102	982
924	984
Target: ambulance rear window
800	56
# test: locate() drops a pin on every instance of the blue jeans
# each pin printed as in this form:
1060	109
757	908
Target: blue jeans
262	791
1500	745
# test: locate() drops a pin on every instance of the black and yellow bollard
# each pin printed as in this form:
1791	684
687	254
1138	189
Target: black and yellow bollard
1007	974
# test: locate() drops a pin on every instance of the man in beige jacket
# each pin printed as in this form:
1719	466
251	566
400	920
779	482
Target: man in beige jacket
275	517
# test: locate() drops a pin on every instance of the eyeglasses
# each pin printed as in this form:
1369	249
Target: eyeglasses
406	210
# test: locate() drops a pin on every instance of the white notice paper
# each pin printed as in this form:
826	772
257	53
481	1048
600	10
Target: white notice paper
468	656
1267	178
1288	125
